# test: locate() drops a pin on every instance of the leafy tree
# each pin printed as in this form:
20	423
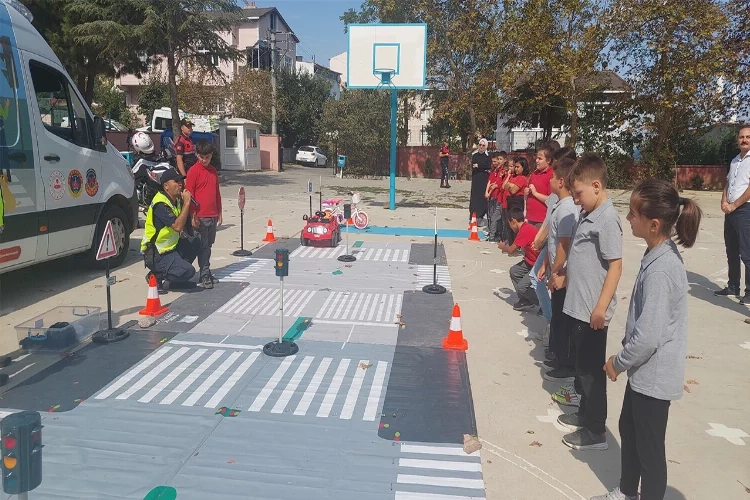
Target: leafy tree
109	101
199	92
360	120
301	97
154	94
737	36
248	97
673	57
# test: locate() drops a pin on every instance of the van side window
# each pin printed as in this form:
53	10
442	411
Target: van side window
62	112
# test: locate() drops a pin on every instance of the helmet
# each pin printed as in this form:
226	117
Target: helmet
142	143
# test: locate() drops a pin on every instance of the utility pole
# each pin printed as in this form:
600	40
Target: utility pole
273	82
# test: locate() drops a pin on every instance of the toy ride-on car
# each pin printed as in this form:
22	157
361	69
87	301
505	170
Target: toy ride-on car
321	227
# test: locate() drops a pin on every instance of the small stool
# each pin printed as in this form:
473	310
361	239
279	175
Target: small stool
452	175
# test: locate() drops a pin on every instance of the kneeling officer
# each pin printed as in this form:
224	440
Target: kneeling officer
167	250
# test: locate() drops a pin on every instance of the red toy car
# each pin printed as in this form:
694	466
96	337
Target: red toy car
321	227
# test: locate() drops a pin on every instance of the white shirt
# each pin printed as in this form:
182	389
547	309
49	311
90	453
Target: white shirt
738	179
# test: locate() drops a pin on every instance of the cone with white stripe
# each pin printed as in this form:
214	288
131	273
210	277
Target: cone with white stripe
153	304
455	338
474	235
473	220
269	232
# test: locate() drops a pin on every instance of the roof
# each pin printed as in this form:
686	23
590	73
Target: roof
259	12
606	80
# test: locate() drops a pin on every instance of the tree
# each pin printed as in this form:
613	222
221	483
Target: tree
301	97
673	58
154	94
248	97
360	122
557	45
200	92
737	36
109	101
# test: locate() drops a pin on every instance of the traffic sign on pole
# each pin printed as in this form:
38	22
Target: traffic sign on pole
241	199
241	203
107	247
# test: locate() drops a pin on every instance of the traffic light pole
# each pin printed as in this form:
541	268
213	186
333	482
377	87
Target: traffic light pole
434	288
281	312
281	348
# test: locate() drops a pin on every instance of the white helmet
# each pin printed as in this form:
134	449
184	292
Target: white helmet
142	143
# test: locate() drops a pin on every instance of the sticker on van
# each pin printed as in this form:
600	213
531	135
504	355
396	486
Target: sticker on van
75	183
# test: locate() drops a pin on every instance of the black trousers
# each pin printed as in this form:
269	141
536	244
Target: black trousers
207	230
443	173
643	426
591	381
737	244
560	341
177	266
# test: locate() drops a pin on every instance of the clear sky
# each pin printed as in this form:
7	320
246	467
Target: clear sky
316	23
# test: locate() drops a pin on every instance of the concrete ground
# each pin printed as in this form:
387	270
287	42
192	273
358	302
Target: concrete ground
522	455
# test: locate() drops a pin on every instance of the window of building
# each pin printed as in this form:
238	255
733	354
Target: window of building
231	139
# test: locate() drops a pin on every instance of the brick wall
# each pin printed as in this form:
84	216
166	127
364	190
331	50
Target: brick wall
714	176
411	161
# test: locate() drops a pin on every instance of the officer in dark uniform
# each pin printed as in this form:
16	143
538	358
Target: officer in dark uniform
184	149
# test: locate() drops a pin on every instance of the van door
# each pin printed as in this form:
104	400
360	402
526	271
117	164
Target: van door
18	177
70	164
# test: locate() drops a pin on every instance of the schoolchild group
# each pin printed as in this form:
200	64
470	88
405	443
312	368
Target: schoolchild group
570	235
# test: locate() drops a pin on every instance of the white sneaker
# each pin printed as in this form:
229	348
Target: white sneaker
615	494
543	336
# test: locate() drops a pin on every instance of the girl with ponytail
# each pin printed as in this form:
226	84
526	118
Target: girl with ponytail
655	342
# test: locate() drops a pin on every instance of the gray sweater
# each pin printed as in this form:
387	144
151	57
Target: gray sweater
656	331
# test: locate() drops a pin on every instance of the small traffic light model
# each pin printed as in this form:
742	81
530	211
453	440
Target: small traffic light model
21	448
347	211
282	262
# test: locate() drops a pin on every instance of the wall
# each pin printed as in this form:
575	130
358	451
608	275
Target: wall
411	161
714	176
269	152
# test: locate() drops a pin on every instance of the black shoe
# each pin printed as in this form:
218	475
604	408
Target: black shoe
548	354
162	287
549	364
570	421
560	375
540	312
584	439
206	282
447	186
745	299
523	305
214	279
726	291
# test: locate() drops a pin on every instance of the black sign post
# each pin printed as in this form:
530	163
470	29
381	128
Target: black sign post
107	250
434	288
241	202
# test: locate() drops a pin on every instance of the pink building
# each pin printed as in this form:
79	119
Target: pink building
252	35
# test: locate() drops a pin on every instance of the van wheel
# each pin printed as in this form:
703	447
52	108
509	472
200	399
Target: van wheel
122	237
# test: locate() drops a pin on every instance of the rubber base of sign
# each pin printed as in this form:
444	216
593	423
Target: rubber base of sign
278	349
109	336
346	258
242	253
434	289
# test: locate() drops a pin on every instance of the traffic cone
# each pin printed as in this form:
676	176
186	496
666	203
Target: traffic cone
474	236
153	304
473	220
455	338
269	232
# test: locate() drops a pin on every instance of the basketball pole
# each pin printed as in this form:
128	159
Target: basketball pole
394	132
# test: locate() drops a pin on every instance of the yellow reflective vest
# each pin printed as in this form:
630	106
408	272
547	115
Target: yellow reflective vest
167	238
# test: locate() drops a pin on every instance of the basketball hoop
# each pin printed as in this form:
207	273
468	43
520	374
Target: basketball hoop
385	75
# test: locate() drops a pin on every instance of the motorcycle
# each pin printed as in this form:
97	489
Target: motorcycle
147	172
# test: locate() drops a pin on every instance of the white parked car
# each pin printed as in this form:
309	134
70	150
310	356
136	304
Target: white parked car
311	155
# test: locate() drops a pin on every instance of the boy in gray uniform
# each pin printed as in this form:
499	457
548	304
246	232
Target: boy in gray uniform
591	277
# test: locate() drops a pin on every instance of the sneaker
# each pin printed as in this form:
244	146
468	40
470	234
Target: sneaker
745	300
548	354
214	279
549	364
523	305
615	494
540	312
726	291
567	396
206	282
570	421
543	336
560	375
162	287
584	439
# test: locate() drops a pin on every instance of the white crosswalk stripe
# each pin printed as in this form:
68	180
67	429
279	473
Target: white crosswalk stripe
438	472
242	270
315	386
371	254
362	307
265	302
425	277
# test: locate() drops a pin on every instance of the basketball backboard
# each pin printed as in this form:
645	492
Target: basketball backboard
397	49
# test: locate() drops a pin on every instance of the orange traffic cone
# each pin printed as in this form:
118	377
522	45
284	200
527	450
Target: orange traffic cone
153	304
455	338
269	232
474	236
473	220
350	221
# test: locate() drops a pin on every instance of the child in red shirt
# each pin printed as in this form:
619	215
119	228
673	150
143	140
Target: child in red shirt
519	273
515	187
203	182
494	209
539	187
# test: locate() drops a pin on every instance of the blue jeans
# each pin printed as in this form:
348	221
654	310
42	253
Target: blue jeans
540	286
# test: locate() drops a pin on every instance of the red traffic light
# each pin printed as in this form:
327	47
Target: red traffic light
9	442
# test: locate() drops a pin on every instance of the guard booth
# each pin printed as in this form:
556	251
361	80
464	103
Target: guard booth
240	144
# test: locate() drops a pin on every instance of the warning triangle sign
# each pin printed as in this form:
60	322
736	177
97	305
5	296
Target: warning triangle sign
107	248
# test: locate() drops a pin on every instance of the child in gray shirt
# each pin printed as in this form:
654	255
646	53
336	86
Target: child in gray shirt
655	340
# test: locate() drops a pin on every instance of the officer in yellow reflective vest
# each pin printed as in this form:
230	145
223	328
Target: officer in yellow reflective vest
168	255
2	212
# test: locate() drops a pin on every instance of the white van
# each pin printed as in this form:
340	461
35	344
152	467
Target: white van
161	120
61	180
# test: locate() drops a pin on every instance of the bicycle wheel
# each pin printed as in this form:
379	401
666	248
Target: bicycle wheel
361	220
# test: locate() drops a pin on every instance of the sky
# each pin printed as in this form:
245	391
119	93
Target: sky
316	23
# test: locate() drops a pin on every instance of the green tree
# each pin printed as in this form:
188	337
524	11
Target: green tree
200	92
361	122
109	101
248	97
154	94
672	55
301	97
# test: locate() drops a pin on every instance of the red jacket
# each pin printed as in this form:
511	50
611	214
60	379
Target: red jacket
203	184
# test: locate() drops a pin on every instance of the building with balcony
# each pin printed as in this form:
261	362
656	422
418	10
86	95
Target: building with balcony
320	71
